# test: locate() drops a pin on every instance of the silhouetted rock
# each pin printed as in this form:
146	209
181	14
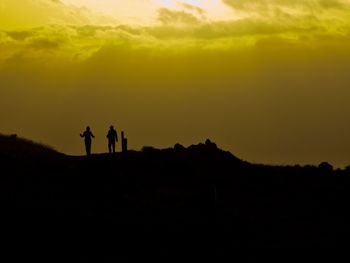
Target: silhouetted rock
149	149
325	167
179	147
210	144
347	169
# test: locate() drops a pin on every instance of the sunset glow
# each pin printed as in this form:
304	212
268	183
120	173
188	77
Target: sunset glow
181	71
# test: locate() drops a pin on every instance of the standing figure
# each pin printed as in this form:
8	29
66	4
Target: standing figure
87	135
112	139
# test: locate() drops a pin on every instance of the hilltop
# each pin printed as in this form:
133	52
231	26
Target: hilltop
179	198
14	147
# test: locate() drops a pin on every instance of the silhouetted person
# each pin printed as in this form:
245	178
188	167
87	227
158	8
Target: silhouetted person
87	135
112	139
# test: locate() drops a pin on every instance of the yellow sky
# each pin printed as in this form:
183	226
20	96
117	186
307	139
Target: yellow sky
145	11
267	80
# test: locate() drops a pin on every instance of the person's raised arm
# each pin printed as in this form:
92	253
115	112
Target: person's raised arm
81	135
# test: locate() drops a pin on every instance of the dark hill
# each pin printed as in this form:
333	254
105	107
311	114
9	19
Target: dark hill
180	199
12	147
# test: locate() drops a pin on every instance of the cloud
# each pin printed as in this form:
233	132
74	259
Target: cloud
295	20
19	14
331	15
195	9
170	17
19	35
292	5
293	23
81	42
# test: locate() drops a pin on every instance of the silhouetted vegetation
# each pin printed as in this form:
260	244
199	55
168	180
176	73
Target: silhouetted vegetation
198	198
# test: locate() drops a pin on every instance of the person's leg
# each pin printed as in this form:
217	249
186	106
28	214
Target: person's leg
109	147
113	145
88	148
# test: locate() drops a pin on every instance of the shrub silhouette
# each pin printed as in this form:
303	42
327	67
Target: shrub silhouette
325	167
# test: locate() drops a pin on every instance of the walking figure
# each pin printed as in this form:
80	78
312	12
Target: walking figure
87	135
112	139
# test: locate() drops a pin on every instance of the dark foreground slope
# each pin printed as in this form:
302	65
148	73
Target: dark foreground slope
173	200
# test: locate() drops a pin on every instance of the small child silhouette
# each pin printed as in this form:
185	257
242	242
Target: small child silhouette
87	135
